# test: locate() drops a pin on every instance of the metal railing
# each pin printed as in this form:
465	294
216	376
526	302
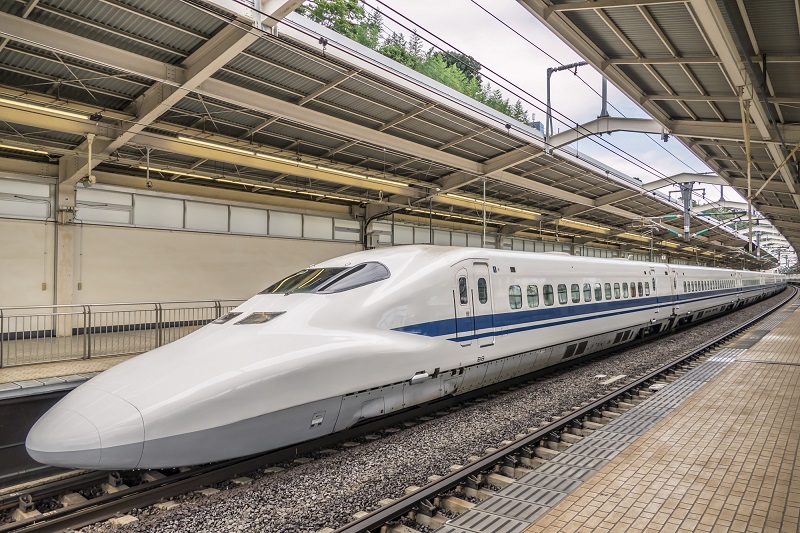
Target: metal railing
44	334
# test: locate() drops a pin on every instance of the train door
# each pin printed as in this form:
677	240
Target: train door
464	321
655	292
482	305
673	291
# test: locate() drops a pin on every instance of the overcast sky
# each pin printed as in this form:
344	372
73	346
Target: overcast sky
470	29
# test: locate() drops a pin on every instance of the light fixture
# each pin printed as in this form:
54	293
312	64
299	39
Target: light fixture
215	145
35	107
291	161
209	178
21	149
493	204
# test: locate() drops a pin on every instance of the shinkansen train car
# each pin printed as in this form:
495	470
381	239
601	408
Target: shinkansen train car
368	334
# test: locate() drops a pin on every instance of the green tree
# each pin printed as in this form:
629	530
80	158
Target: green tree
453	69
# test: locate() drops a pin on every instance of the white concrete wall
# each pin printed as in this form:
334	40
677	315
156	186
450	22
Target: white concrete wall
26	261
118	264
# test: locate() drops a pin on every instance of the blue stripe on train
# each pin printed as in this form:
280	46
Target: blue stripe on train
533	318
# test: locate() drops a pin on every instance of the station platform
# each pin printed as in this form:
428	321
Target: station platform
716	450
40	378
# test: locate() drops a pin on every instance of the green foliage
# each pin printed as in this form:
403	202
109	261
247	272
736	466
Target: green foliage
453	69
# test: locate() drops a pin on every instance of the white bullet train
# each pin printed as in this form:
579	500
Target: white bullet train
367	334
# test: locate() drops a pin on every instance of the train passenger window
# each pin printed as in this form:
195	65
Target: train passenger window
598	292
654	284
483	294
575	289
607	288
641	292
547	291
587	292
515	297
633	289
462	290
533	296
647	288
625	293
616	291
562	293
684	287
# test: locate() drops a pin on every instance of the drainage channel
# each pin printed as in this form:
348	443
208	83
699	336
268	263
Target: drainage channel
584	447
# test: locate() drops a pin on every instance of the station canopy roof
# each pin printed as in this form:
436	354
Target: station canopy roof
224	97
694	65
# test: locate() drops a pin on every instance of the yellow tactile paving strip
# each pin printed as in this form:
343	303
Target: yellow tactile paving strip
726	459
61	368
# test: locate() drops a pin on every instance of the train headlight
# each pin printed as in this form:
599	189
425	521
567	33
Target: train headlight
259	318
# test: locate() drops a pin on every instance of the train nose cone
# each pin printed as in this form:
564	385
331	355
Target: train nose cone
64	438
88	428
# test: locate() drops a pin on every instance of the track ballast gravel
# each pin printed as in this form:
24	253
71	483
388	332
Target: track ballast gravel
329	490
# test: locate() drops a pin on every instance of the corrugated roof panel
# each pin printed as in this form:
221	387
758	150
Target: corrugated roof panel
247	82
322	107
730	110
774	23
643	78
374	91
269	74
600	34
712	79
358	104
677	24
633	25
274	51
677	79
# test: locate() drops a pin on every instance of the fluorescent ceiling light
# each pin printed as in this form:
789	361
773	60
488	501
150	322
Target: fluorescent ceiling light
35	107
21	149
493	204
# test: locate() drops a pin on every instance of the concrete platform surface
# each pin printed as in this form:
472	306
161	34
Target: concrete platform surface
726	459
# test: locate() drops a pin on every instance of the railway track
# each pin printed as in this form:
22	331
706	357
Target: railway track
428	501
169	484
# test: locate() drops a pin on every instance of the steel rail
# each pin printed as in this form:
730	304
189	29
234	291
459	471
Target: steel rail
109	505
385	514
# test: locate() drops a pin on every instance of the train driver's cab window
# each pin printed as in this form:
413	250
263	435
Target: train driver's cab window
483	293
598	292
576	293
462	290
625	293
547	292
533	296
617	294
647	288
587	292
633	289
562	294
607	288
515	297
641	292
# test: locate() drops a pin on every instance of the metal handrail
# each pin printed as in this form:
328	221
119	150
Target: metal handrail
47	333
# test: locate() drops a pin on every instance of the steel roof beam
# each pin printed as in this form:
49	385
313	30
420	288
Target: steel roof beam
606	4
662	60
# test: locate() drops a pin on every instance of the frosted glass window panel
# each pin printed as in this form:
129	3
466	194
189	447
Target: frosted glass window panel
207	217
157	212
459	239
422	235
491	241
102	215
98	196
285	224
517	244
22	208
24	188
528	246
441	237
538	246
347	230
474	241
317	227
507	244
403	234
249	221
